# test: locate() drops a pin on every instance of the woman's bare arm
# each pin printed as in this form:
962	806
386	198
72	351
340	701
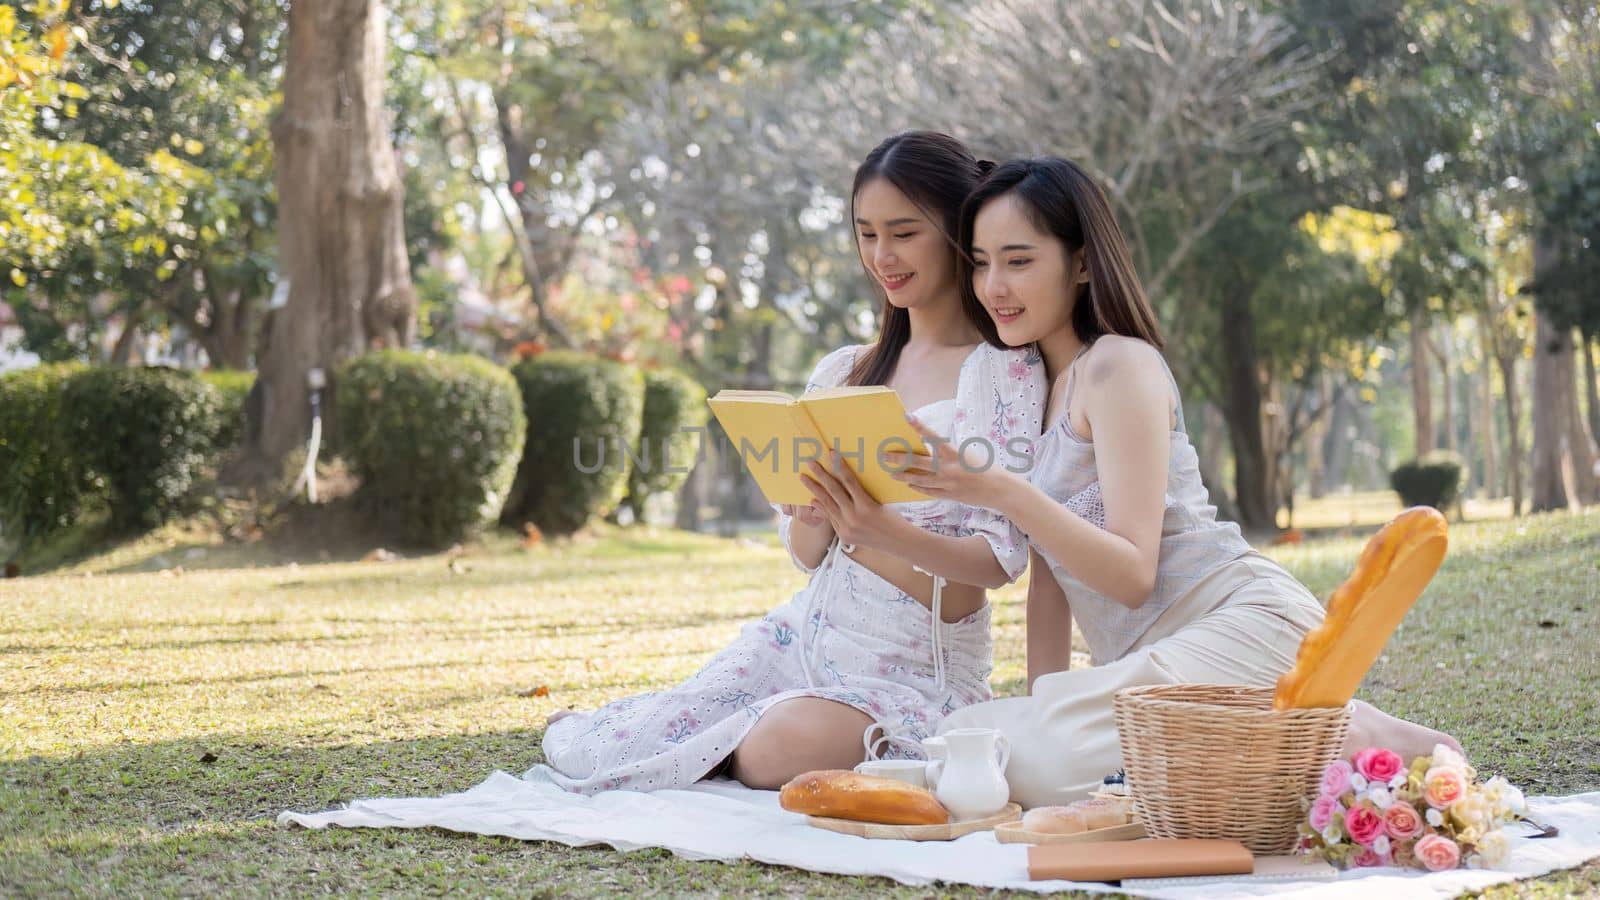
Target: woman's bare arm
1129	408
1049	622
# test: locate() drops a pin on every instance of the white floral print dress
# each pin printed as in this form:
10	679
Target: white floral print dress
848	635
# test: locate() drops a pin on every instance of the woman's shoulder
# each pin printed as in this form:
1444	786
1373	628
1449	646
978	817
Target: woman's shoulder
1116	356
834	367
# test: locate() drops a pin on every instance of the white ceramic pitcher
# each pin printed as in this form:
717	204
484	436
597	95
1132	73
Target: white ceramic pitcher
968	776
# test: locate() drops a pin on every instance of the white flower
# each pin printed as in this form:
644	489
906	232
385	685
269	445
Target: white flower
1494	848
1380	845
1358	782
1331	836
1398	781
1505	794
1434	817
1444	756
1474	811
1380	796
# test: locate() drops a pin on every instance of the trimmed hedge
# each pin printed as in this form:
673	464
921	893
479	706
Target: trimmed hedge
43	483
434	437
672	401
149	432
1434	480
577	404
232	386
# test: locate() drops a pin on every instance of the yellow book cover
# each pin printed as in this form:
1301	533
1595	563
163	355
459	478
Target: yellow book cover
776	435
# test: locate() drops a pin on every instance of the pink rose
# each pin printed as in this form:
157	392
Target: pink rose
1402	822
1367	859
1363	823
1438	853
1322	811
1378	764
1336	778
1442	787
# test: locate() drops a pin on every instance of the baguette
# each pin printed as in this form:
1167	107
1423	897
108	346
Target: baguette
1393	570
843	794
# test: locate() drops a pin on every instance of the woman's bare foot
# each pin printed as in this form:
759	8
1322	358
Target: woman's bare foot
558	715
1372	727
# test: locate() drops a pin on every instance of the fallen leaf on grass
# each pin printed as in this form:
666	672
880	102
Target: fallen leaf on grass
208	757
542	690
379	554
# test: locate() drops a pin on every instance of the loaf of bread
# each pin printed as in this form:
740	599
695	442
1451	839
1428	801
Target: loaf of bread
1393	570
843	794
1084	815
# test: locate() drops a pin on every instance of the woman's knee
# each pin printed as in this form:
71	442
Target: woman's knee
760	761
798	736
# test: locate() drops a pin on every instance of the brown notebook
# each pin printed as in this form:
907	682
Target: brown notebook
1152	858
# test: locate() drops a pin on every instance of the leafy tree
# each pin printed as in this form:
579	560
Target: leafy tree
155	178
537	93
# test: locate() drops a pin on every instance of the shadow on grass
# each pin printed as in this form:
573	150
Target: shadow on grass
94	687
527	626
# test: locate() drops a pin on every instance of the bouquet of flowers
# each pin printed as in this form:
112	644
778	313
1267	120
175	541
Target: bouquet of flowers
1375	810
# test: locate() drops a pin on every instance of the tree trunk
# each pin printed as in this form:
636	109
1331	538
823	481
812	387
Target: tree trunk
1552	452
1488	440
1209	451
228	336
122	352
1421	386
341	236
691	497
1591	381
1316	439
1447	406
1514	461
1580	442
1253	478
1341	431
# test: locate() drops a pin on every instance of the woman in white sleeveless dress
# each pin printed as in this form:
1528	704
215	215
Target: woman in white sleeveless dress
893	626
1125	540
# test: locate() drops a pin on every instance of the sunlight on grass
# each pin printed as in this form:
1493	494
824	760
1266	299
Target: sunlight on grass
151	724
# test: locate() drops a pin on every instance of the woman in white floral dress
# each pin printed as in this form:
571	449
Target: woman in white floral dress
893	626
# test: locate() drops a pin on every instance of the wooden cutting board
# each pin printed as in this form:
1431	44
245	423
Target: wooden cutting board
947	832
1014	833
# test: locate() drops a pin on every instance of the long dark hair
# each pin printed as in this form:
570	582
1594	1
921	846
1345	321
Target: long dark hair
1063	200
935	171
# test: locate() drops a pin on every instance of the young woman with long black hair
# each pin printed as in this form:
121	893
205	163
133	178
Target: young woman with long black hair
893	626
1125	540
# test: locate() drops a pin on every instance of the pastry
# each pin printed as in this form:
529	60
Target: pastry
1084	815
1391	574
1054	820
843	794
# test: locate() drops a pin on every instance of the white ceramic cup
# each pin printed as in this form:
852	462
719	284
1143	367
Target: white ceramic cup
911	771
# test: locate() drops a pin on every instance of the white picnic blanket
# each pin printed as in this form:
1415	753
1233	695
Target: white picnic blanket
723	820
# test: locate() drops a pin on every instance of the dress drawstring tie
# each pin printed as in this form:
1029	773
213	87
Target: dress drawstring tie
937	627
935	609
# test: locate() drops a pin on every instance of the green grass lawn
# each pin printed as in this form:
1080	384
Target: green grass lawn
1366	510
152	724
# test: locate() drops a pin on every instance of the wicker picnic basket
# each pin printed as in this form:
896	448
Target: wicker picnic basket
1217	761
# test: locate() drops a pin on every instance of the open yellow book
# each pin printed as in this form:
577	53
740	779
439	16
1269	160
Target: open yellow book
776	435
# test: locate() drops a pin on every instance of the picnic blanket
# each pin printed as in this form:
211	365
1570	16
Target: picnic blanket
723	820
